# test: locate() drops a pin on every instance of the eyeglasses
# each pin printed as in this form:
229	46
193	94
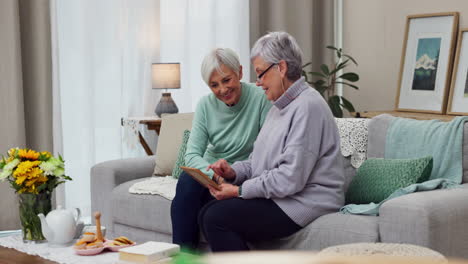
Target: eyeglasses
259	77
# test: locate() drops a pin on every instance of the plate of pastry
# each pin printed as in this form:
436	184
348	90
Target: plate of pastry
118	243
89	245
92	243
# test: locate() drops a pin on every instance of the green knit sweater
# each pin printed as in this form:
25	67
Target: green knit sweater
223	132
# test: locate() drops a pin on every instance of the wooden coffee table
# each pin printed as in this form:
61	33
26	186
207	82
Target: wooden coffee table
12	256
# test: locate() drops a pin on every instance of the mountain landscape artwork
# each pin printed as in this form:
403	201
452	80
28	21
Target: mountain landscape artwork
427	57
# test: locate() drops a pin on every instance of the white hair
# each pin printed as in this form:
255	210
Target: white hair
216	58
276	46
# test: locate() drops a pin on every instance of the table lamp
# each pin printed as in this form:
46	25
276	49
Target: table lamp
165	76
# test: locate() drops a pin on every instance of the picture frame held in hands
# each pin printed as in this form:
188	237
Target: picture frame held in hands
200	177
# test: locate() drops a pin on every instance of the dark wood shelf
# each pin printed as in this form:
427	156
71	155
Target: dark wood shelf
419	116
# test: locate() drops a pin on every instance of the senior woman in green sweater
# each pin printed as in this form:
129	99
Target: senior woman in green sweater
294	174
225	125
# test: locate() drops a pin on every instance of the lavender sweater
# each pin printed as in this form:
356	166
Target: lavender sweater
296	158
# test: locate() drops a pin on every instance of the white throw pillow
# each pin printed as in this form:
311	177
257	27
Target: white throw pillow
169	140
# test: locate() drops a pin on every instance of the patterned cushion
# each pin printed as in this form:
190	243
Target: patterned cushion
377	178
181	156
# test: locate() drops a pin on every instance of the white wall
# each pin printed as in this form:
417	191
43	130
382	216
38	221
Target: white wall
373	34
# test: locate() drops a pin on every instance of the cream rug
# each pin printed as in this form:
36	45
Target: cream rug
389	249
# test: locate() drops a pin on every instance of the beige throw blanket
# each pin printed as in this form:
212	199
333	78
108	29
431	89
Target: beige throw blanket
164	186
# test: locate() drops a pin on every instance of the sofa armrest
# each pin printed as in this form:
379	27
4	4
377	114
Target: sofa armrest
435	219
107	175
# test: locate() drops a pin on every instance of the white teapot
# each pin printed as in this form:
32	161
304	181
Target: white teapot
59	227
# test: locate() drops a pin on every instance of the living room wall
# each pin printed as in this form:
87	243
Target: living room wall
373	33
11	103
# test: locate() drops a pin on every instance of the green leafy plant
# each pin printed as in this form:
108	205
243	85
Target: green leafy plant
326	80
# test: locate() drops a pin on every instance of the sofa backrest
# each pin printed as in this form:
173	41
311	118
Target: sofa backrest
170	138
349	171
378	134
375	146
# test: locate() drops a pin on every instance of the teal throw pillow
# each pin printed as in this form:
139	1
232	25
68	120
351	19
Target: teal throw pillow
181	156
376	179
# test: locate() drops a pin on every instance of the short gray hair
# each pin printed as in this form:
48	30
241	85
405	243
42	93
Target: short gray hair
215	59
276	46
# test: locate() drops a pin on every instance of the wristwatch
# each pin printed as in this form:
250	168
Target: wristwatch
240	191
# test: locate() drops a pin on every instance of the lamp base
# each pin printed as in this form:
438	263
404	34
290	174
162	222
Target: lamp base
166	105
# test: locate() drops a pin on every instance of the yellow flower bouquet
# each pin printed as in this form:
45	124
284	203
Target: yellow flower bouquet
34	175
32	172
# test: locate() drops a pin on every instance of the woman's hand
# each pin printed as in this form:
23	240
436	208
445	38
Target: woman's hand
223	169
226	191
218	179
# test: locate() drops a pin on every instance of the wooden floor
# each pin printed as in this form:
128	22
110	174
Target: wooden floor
11	256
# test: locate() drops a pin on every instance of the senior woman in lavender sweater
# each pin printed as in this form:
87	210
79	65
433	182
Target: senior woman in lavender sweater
294	174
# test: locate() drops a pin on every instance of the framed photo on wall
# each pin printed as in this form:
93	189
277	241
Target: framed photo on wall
458	98
426	62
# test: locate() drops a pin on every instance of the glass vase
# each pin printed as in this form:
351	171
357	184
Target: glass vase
29	206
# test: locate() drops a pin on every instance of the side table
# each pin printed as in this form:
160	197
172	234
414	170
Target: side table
151	123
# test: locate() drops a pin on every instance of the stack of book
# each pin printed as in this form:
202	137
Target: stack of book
149	253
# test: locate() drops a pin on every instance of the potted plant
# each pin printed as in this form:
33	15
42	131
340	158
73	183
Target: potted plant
328	77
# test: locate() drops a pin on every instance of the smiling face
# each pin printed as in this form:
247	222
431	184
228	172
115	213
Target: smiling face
271	80
227	86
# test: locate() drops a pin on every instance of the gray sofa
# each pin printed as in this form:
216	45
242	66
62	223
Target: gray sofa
435	219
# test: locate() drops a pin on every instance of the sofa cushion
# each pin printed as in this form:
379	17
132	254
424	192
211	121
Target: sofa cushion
329	230
376	179
140	235
181	155
349	171
169	140
376	138
144	211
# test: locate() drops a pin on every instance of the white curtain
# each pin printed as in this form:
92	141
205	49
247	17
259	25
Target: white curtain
102	55
103	52
190	29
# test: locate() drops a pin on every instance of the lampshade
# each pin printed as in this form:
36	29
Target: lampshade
165	75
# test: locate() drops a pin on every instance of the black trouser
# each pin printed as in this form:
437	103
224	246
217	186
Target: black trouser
189	199
229	224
